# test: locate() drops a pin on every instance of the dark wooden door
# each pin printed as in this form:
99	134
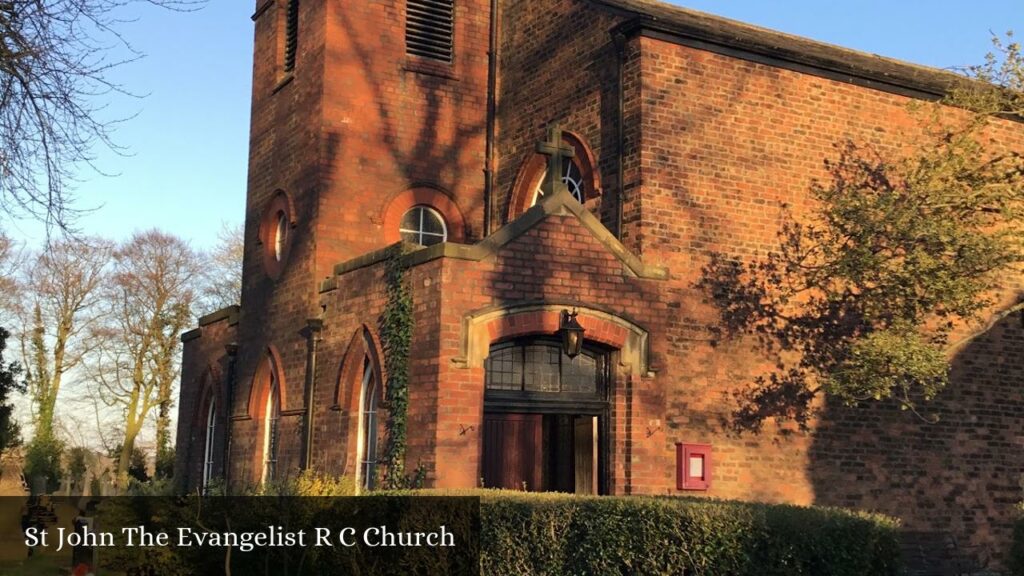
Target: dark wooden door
512	455
585	454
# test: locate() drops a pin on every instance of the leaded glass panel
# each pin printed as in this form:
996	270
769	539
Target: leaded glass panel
505	369
539	366
580	374
542	368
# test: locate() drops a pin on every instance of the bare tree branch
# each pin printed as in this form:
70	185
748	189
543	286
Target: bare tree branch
149	302
55	57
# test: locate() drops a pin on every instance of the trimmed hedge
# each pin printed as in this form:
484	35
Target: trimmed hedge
1016	560
562	534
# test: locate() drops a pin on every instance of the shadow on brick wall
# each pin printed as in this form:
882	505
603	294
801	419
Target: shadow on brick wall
954	483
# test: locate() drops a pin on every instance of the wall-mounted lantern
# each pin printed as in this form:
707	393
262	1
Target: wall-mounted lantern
571	332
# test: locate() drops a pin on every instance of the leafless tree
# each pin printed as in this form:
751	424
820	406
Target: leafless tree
55	58
149	302
8	271
222	273
61	290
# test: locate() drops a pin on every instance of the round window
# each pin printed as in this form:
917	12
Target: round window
572	178
424	226
280	235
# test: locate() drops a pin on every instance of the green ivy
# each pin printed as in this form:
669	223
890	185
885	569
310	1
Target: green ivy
396	336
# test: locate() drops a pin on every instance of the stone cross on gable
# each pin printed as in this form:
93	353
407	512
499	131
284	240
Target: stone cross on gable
556	150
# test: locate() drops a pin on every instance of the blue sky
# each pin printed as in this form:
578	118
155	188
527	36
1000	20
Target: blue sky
186	172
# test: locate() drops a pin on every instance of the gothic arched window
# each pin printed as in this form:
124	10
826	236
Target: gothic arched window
271	416
368	424
208	452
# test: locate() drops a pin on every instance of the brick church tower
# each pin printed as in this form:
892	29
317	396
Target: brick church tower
350	129
435	125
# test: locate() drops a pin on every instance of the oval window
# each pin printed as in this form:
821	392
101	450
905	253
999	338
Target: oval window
280	236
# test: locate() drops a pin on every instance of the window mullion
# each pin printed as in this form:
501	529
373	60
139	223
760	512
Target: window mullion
522	368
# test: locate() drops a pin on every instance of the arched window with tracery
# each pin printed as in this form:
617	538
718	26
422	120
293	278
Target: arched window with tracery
369	401
271	417
211	435
572	177
579	174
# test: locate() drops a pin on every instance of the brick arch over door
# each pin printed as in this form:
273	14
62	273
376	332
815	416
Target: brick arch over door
484	327
348	390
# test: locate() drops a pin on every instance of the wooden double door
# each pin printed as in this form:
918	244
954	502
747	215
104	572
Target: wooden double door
541	452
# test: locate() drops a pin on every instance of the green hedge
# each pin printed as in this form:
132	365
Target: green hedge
561	534
1016	561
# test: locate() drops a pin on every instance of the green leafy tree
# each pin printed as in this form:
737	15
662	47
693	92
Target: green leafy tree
77	467
43	460
10	433
164	467
864	295
136	468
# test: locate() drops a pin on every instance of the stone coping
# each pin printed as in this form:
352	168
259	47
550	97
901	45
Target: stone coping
561	204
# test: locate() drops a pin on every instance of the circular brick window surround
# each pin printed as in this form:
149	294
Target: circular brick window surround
276	232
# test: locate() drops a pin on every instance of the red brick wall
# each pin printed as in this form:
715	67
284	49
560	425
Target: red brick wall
285	142
357	124
724	145
558	65
204	371
558	261
715	146
392	122
354	306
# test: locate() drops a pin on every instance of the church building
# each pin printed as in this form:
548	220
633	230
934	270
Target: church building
488	177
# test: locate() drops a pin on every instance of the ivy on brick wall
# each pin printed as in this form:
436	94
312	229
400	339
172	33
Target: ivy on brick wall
396	336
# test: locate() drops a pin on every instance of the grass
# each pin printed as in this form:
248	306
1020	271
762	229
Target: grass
37	565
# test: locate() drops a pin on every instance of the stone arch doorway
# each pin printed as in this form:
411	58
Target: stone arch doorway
621	341
546	417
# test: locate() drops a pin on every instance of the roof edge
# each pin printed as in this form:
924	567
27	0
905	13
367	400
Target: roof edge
229	313
737	39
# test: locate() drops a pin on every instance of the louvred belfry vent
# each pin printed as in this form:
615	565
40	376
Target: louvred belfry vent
430	28
291	42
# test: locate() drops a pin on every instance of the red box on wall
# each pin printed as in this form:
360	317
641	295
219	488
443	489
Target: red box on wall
693	466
